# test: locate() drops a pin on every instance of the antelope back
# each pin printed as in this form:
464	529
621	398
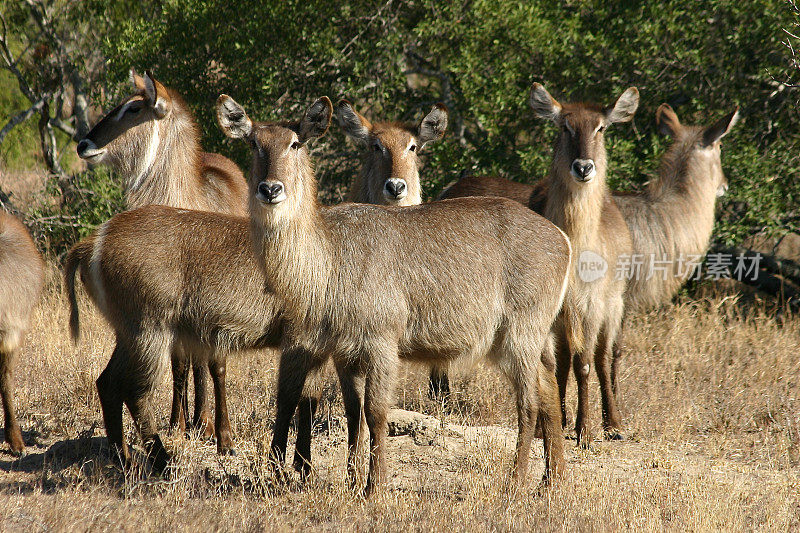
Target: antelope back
390	171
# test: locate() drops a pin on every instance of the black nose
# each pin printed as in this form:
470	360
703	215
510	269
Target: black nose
82	146
270	191
395	187
582	167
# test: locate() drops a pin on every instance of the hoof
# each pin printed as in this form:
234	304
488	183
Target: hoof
584	441
157	455
613	434
227	451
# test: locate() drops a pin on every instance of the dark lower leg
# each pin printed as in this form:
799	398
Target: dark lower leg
563	362
378	388
526	419
306	410
202	412
612	421
12	431
221	420
180	377
550	421
138	403
110	391
292	371
352	385
581	367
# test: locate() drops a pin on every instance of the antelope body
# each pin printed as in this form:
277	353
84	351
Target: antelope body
182	281
673	218
152	140
21	281
470	276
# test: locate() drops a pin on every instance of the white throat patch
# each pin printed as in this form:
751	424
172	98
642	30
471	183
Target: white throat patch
149	157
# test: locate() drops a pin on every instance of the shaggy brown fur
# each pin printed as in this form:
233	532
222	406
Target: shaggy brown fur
472	276
195	313
672	219
151	139
21	281
167	278
579	202
390	174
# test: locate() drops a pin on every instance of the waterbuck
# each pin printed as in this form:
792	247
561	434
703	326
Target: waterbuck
671	222
579	202
469	276
152	140
204	300
391	155
390	175
21	281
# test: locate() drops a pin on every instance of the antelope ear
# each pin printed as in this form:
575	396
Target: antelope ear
720	128
352	122
544	105
232	118
667	121
433	126
316	120
136	80
156	95
625	106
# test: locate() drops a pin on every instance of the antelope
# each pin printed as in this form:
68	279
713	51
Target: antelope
390	175
205	301
152	140
468	276
21	282
579	202
673	218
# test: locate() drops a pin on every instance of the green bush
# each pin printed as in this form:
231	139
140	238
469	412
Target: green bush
85	201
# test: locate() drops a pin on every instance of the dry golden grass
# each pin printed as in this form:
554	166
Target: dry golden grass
711	400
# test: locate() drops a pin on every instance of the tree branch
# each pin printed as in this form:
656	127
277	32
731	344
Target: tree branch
19	118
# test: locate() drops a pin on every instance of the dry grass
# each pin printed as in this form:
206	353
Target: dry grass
711	397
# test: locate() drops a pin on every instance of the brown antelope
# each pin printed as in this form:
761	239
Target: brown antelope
152	140
672	219
202	302
391	155
470	276
579	202
390	174
21	281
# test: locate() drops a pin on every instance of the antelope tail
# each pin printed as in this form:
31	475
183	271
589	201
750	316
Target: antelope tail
79	253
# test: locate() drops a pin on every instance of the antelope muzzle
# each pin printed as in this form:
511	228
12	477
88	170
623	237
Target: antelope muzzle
271	192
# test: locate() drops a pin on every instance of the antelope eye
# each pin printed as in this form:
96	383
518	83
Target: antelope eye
133	110
376	147
296	145
601	129
413	148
